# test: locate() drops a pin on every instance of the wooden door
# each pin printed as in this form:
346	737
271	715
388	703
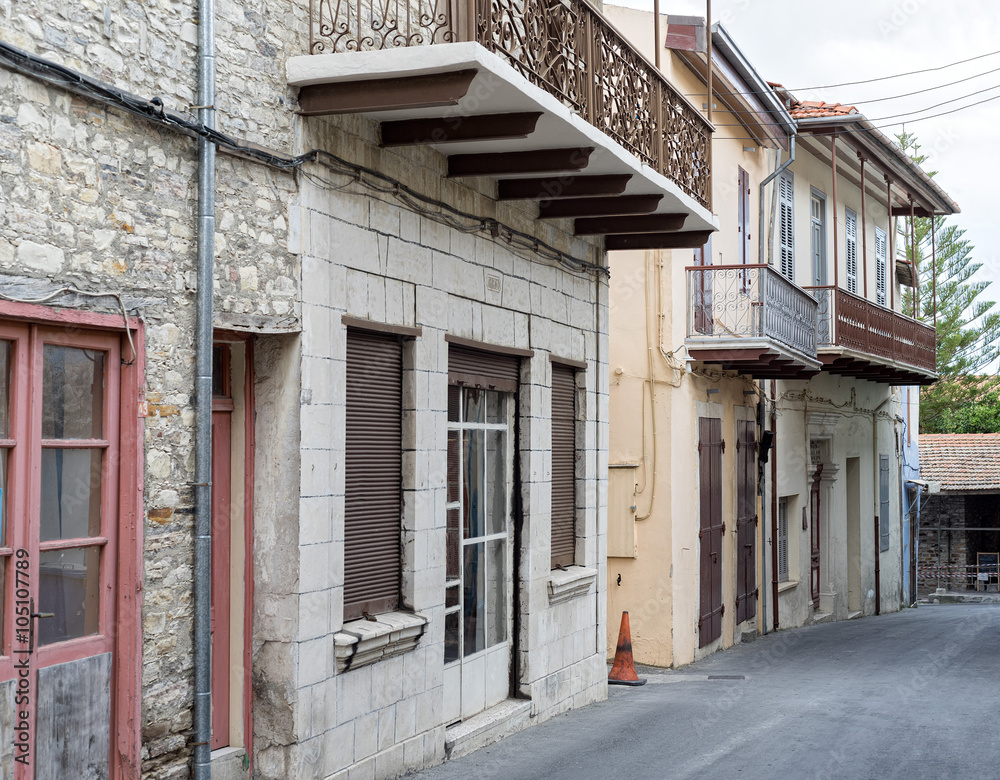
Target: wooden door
814	509
712	529
703	318
62	460
222	415
746	520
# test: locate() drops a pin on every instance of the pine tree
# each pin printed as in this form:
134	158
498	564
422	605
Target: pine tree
968	327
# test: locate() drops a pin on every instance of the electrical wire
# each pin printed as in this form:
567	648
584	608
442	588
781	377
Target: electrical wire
71	290
856	83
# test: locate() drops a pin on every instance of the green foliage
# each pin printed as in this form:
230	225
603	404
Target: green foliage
968	327
969	404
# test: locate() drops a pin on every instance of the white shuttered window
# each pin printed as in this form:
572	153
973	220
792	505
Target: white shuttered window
852	251
880	269
786	225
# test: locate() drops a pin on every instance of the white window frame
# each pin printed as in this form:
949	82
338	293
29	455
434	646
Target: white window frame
817	238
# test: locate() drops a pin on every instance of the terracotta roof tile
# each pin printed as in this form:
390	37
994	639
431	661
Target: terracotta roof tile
961	461
808	109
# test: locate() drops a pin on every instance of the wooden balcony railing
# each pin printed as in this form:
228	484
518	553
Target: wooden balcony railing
850	321
727	302
565	47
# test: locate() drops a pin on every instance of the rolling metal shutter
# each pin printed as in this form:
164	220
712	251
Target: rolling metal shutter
477	368
373	474
563	465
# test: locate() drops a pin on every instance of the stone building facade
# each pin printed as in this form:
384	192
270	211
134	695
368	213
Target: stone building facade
325	240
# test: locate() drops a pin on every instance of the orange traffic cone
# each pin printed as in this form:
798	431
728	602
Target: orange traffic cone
623	670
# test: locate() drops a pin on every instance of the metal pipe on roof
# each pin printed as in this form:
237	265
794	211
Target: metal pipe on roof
764	255
656	33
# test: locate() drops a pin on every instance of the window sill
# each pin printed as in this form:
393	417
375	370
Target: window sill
363	642
787	585
566	585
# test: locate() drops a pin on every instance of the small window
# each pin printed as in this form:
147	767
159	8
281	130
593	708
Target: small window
817	238
883	502
851	231
786	226
783	540
564	454
373	474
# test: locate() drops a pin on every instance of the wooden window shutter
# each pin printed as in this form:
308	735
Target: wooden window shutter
880	266
883	502
851	228
712	529
786	225
563	465
373	474
782	540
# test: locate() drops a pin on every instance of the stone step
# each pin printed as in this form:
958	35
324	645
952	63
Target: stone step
490	726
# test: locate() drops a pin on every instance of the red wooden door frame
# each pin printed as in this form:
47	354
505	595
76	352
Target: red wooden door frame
123	631
249	450
222	412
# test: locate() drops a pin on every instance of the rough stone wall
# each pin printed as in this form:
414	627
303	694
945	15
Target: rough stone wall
105	201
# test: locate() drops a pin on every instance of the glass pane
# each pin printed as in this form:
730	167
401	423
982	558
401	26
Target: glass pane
451	596
474	403
453	469
71	493
3	501
496	481
219	368
69	587
496	591
4	389
453	393
72	393
454	544
474	599
496	408
474	508
452	637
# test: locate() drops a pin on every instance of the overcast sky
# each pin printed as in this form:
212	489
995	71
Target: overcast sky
803	44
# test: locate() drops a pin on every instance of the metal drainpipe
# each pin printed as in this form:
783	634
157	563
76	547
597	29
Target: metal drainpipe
203	399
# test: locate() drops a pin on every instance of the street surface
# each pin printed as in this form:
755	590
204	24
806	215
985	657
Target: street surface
910	695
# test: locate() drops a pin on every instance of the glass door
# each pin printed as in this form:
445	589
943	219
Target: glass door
478	560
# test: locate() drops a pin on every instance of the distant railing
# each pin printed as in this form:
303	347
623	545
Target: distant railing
750	302
850	321
565	47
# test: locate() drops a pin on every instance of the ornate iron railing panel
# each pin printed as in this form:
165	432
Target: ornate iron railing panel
565	47
850	321
729	302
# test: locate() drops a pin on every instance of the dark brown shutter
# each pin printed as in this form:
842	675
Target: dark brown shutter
563	465
712	529
477	368
373	474
746	520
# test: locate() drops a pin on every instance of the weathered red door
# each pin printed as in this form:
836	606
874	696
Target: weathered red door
60	454
710	449
746	520
814	535
222	416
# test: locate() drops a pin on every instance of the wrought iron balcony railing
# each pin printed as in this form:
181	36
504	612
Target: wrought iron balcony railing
750	302
565	47
852	322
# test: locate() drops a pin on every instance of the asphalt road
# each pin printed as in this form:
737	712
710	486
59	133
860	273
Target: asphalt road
913	695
